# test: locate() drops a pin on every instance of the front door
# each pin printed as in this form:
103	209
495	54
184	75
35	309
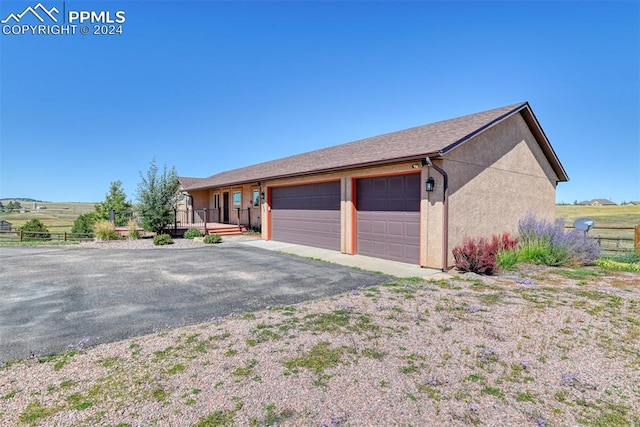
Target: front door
225	207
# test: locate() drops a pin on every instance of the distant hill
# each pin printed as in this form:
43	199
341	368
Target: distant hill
21	199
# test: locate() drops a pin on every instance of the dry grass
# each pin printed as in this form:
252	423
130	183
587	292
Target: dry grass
605	216
620	216
541	347
57	217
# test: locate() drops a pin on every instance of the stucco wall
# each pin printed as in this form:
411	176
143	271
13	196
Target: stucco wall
495	179
347	204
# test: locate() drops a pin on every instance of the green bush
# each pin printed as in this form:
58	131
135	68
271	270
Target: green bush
191	233
212	238
84	223
34	229
162	239
105	230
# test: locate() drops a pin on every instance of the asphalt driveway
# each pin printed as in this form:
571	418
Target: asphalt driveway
52	299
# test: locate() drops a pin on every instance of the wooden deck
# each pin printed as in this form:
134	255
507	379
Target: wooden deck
208	228
224	229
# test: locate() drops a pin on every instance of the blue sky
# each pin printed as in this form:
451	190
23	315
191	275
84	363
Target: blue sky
209	86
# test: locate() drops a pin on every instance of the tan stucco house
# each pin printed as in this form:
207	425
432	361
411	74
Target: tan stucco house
409	196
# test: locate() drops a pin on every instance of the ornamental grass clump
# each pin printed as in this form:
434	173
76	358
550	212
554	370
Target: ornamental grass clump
133	232
105	230
544	242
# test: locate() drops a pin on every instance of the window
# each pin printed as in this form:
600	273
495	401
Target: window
256	198
216	201
237	199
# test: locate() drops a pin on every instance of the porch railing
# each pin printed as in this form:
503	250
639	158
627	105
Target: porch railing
196	218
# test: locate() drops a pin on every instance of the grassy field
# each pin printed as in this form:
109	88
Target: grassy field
57	217
605	216
620	216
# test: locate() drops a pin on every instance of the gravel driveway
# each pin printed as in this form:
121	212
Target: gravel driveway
56	298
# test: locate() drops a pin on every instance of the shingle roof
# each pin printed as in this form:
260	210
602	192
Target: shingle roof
603	201
414	143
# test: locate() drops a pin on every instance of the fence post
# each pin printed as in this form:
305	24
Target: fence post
21	235
637	239
175	221
65	236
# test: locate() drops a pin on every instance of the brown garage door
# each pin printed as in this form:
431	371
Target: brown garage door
388	224
307	214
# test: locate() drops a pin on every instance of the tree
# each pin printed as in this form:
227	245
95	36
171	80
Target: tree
157	196
116	199
84	223
13	206
35	230
1	207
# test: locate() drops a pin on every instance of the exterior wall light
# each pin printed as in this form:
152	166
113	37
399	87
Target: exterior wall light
430	184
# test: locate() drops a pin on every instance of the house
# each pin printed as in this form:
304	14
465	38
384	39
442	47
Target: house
633	203
600	202
5	225
409	196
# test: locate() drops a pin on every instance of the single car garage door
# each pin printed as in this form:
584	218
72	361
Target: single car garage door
388	224
307	214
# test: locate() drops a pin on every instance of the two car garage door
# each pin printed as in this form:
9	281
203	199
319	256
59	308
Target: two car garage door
388	216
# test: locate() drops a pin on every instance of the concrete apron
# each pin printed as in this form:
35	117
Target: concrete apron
392	268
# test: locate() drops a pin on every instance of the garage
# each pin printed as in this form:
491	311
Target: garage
307	214
388	217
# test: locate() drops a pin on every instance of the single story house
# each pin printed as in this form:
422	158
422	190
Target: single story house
634	203
409	196
5	225
598	202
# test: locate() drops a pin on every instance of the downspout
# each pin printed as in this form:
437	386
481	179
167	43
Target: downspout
445	213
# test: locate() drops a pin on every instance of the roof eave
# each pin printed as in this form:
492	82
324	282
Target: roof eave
319	171
531	121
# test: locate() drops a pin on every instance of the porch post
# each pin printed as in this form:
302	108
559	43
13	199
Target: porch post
175	221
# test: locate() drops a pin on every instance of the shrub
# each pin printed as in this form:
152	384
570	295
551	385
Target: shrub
507	260
612	264
162	239
34	229
482	256
476	256
212	238
133	233
105	230
504	242
191	233
84	224
543	242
